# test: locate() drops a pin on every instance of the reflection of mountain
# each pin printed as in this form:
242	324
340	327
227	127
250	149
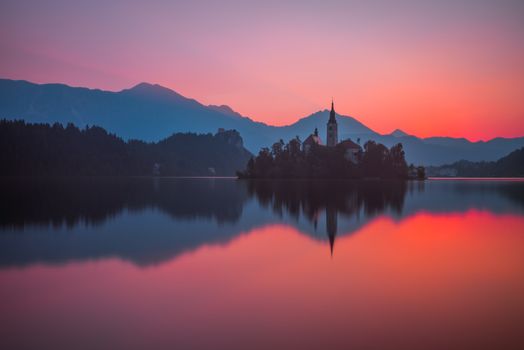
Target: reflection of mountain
144	220
147	221
458	196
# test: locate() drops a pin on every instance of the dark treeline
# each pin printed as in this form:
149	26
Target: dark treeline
511	165
291	161
51	150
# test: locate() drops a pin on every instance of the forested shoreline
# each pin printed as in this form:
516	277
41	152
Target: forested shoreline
56	150
511	165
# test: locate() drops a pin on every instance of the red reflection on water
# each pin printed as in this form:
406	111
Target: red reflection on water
452	281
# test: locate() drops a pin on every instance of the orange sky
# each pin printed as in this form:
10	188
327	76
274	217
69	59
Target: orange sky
449	67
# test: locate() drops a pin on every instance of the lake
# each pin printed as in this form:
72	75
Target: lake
166	263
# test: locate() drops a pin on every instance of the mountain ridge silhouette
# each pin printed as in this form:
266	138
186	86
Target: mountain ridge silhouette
151	112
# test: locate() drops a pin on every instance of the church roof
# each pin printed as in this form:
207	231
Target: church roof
348	144
312	139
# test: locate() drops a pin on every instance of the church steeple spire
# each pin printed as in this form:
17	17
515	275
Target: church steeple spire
332	128
332	113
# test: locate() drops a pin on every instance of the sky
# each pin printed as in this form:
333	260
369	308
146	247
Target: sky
430	68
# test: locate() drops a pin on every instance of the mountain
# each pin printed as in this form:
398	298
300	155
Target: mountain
511	165
399	133
225	110
145	112
151	112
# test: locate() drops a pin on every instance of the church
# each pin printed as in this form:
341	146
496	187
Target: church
353	151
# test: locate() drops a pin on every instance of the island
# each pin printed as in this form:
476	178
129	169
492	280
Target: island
312	159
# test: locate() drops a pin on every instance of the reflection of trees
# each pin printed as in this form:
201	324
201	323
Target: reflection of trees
514	193
310	198
346	197
73	201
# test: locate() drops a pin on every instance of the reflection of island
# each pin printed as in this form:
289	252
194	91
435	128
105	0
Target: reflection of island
347	198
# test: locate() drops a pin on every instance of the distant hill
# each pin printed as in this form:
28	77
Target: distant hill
399	133
511	165
45	150
151	112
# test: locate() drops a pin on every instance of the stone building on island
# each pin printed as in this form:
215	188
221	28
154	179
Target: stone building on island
353	151
311	140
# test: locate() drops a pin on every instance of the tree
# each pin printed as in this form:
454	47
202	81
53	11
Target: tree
421	173
374	159
397	162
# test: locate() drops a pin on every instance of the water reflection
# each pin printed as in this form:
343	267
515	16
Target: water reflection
333	198
148	221
225	264
92	201
393	285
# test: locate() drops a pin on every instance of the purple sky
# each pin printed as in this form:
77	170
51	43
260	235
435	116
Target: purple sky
429	67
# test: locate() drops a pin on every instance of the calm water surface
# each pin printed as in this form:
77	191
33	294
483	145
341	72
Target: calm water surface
223	264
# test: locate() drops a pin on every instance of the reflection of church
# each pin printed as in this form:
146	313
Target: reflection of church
353	151
331	226
339	206
331	215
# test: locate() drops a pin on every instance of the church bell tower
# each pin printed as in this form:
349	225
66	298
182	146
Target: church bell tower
332	128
